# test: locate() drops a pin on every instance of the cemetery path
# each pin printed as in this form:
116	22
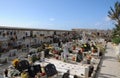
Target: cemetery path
110	67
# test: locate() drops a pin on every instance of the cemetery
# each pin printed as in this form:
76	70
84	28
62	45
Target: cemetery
74	55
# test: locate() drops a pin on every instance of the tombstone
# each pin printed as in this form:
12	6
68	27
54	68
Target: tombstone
91	69
42	56
3	60
33	70
12	52
50	70
22	65
29	58
86	72
46	52
66	75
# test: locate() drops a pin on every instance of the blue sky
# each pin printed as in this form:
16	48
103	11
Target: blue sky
56	14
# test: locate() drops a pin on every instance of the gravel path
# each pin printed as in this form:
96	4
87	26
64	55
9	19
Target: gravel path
110	67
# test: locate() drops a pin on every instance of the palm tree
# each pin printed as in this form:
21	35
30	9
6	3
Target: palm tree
114	13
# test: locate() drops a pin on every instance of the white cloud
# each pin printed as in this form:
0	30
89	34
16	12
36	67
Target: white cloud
97	24
106	23
107	19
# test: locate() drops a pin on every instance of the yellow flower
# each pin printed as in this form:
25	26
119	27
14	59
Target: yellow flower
15	62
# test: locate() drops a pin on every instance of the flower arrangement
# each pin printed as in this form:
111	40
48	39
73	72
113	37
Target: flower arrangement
15	62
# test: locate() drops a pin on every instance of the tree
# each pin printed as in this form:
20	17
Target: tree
114	14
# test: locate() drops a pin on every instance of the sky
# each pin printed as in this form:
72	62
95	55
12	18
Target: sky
56	14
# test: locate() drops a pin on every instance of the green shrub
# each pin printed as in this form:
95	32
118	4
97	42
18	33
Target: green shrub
116	40
34	58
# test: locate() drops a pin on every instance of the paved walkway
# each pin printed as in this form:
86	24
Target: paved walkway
110	67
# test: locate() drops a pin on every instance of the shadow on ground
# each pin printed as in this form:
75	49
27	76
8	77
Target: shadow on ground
106	75
109	58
